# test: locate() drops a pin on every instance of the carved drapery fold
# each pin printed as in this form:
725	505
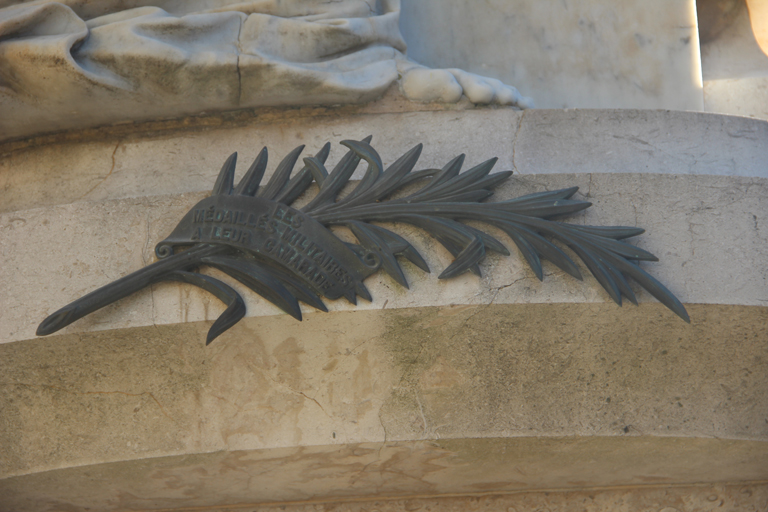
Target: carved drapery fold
74	64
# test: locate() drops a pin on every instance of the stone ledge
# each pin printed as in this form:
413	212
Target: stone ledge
744	497
533	142
393	101
489	371
399	469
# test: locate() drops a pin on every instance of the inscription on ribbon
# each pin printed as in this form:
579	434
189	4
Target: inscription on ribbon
282	234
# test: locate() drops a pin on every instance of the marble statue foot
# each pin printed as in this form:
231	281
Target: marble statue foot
448	86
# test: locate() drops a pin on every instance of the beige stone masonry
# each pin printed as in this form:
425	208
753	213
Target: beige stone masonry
186	156
386	403
708	231
696	182
473	385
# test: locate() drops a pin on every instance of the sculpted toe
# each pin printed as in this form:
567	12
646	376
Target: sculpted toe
428	85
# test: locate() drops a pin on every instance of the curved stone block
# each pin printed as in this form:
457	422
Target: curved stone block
280	477
499	383
708	231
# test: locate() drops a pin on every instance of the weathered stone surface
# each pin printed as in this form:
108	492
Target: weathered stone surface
746	97
717	219
397	469
75	66
640	141
177	162
736	52
734	498
470	385
69	65
460	372
735	67
122	164
575	53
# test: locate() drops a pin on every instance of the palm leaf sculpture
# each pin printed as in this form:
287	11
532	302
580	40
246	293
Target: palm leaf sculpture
288	255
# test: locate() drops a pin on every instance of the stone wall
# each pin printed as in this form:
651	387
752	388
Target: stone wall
572	53
491	385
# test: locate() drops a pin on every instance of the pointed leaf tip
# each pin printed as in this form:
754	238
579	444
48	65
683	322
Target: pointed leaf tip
318	170
226	178
282	174
467	259
235	306
363	292
249	183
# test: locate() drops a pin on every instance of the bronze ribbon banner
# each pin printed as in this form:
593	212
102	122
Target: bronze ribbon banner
279	235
